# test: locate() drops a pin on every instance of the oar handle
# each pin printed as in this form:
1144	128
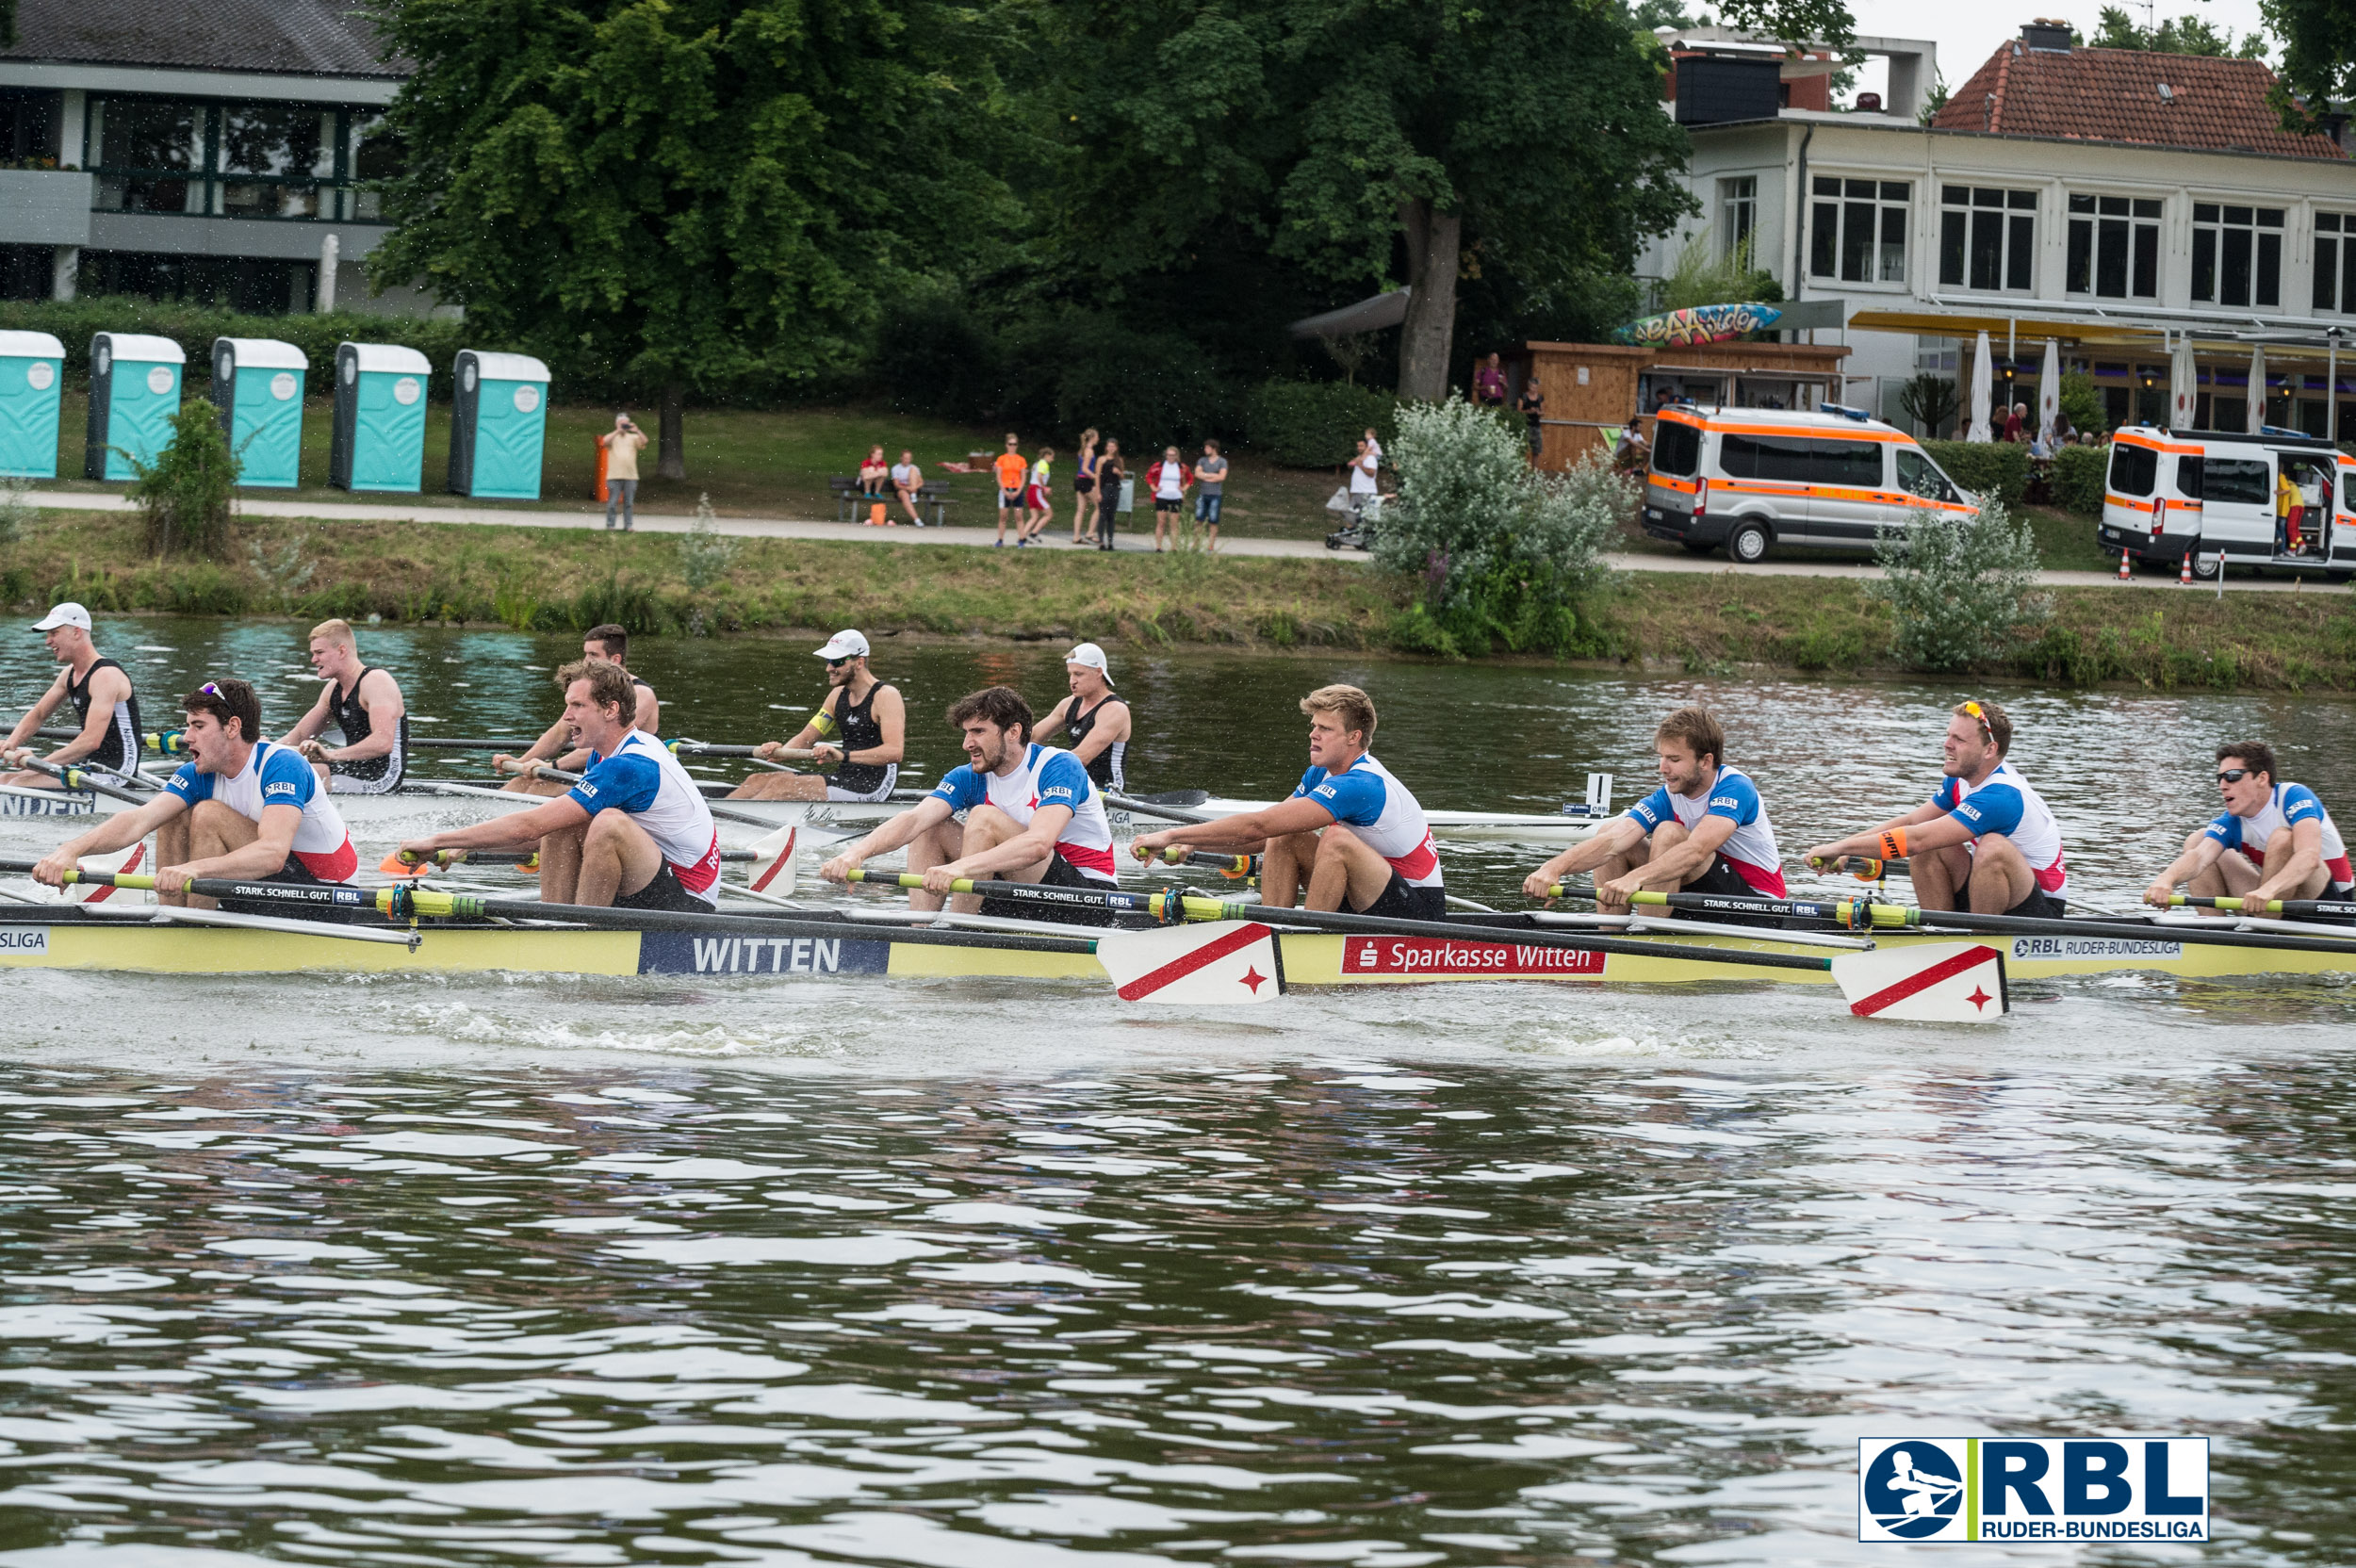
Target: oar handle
312	895
686	747
1226	865
76	779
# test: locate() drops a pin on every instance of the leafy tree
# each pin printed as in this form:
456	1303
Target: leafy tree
691	192
2185	35
2318	55
1700	276
1364	143
184	491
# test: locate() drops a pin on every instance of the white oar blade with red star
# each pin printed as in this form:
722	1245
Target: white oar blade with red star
120	862
1223	963
775	857
1925	983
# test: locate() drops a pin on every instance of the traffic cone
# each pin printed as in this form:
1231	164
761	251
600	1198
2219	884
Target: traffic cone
2183	571
2125	575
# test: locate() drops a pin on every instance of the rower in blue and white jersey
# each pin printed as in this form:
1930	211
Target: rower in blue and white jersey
2274	841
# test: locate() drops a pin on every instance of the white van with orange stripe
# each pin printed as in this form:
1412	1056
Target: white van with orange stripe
2217	496
1751	478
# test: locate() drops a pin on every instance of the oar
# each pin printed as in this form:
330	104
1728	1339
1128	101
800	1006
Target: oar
1168	813
684	745
400	862
2324	908
75	779
1230	866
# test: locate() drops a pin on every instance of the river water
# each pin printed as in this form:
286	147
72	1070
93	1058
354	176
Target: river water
976	1274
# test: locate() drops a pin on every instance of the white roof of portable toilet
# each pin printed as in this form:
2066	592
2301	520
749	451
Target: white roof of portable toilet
31	345
509	367
258	353
143	350
389	357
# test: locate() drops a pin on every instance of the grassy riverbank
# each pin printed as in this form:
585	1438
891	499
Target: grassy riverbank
551	580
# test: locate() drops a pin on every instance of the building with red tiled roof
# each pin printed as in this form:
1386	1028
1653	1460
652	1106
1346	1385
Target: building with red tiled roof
2132	96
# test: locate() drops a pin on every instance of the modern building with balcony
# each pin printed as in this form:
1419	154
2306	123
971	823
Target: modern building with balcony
195	151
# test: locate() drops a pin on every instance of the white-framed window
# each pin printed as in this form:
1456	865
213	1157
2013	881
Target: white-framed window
1857	229
1986	239
2236	253
1738	215
2335	262
2114	247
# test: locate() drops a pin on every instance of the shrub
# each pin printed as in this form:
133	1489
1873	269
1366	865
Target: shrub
1998	470
195	326
185	492
1315	424
2078	476
1963	590
2082	405
1501	552
706	554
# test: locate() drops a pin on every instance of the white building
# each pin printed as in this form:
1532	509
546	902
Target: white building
2111	200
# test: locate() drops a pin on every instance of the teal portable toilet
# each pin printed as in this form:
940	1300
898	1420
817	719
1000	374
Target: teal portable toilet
134	392
258	383
378	440
32	372
498	423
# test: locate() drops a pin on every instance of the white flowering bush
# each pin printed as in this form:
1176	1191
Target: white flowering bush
1964	590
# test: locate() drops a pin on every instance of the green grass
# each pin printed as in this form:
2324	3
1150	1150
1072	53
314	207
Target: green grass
2064	542
771	462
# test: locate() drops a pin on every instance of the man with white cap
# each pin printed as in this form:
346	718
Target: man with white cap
859	732
1096	720
103	705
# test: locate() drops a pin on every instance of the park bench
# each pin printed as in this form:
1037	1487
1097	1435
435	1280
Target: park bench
932	500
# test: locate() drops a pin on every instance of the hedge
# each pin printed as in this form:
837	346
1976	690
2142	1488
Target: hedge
194	327
2078	476
1987	467
1315	424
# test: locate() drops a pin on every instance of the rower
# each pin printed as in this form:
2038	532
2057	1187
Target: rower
2289	847
1703	831
633	834
1351	832
365	702
239	806
859	732
103	704
1095	719
599	645
1031	815
1984	841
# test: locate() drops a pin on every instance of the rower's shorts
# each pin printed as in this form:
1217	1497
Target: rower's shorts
1723	881
663	894
1400	900
880	792
373	776
1060	873
2039	904
293	874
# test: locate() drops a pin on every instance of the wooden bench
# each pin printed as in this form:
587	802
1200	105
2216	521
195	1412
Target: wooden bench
932	500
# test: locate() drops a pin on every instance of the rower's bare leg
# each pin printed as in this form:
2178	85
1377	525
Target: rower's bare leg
560	863
1285	865
2000	878
616	858
524	786
1614	867
1668	836
1937	873
781	786
29	780
320	768
987	827
938	844
172	849
2232	874
215	829
1347	875
2279	855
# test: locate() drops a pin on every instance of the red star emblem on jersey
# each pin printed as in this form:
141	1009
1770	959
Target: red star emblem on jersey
1254	979
1033	803
1979	998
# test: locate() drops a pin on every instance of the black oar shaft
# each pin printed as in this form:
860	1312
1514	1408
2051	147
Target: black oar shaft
79	778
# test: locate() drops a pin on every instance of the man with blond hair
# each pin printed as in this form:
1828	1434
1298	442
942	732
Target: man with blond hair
364	702
1351	834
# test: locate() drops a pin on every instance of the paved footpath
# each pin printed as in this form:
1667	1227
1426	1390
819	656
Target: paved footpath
1132	540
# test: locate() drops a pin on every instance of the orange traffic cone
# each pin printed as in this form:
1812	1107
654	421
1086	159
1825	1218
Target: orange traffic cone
2125	575
2183	571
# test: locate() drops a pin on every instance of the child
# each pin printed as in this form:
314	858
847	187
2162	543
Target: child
1011	471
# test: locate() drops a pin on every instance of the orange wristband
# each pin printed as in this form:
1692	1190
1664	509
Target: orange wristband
1894	843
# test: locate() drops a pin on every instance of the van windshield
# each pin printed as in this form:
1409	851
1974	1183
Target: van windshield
1919	476
1676	449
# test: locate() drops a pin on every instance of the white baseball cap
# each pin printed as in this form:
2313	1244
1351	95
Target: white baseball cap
68	613
842	645
1094	656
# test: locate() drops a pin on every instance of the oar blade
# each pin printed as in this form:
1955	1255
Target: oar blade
1220	963
777	857
120	862
1925	983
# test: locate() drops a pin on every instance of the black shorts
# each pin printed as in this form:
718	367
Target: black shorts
1399	901
294	874
1011	501
1161	505
1060	873
1085	485
2039	904
664	895
1721	880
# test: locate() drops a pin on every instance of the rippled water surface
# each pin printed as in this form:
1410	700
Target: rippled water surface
987	1275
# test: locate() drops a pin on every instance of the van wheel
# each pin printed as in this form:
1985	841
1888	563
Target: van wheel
2205	567
1699	547
1747	544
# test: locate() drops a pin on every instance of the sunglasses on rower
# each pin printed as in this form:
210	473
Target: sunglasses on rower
1974	711
2231	776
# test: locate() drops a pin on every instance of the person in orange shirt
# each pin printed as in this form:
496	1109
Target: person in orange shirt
1013	476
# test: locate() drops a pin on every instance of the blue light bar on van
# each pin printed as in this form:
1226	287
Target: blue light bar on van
1844	411
2294	434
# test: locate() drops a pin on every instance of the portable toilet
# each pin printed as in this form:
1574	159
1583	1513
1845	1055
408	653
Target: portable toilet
258	383
32	369
499	420
134	392
379	417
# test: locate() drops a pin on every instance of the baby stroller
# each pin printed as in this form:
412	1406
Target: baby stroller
1358	533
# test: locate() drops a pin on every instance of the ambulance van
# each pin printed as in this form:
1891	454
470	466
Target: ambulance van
2277	498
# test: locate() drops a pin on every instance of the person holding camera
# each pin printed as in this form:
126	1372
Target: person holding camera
622	446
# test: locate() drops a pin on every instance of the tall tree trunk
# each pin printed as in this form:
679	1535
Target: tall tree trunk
672	463
1434	251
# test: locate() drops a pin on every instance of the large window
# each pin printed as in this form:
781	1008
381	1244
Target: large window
2335	261
2115	247
1800	459
1738	216
2236	255
236	160
2134	468
1986	239
1857	229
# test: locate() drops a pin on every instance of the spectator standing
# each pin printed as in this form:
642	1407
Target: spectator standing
622	445
1110	479
1210	474
1038	497
908	480
1532	404
1169	479
872	475
1011	473
1363	488
1084	500
1489	384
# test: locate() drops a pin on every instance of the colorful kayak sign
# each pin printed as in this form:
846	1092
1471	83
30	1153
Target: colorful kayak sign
1697	324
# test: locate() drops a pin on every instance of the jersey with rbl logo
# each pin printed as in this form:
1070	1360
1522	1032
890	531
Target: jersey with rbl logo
2004	802
1750	849
644	780
1374	804
276	776
1048	776
2285	808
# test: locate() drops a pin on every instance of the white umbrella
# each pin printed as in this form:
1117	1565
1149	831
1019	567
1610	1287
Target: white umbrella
2257	388
2184	385
2048	394
1982	392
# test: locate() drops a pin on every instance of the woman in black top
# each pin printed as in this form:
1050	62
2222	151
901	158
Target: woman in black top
1107	494
1532	402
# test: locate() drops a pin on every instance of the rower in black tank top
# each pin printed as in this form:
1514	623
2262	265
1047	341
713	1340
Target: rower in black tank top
119	753
369	776
1105	766
856	729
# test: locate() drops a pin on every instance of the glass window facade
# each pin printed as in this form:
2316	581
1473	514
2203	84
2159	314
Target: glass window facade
2236	255
1986	239
1857	229
264	161
2114	247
